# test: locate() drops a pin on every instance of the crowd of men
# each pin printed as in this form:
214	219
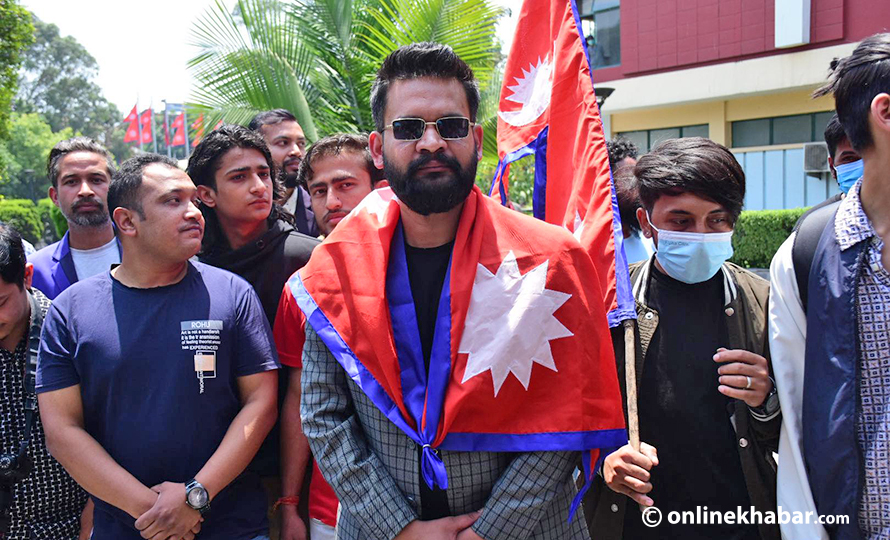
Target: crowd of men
205	367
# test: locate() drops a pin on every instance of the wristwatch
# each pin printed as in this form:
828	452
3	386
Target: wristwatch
196	496
770	405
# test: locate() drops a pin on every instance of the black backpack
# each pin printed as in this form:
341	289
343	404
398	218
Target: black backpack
809	230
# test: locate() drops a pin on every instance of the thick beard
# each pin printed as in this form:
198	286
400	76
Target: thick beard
289	180
96	218
429	194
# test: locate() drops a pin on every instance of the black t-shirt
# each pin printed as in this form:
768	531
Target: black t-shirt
426	274
684	416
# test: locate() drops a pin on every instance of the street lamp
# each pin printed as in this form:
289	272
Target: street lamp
602	94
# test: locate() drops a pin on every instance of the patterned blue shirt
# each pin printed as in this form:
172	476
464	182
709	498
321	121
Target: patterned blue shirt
873	426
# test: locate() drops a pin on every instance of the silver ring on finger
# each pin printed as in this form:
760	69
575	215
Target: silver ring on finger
748	384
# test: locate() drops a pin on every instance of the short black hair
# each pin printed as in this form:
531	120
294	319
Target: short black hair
205	162
334	145
694	165
12	256
126	182
834	135
68	146
620	148
628	195
855	81
275	116
417	60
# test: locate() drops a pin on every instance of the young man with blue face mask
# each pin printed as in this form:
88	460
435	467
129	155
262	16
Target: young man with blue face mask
708	415
844	160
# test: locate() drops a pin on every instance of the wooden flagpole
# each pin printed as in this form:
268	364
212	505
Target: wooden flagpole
630	383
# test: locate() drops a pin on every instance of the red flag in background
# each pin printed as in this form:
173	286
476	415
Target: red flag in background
132	134
132	116
198	126
179	125
548	109
147	125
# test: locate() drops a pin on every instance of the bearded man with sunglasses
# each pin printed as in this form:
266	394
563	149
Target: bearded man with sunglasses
426	309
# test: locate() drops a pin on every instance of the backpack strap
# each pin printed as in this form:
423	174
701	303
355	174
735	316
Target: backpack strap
809	231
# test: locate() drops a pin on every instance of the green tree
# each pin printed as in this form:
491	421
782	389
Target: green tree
57	81
16	33
318	58
30	140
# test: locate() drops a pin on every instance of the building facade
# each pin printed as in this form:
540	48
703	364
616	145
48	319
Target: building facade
740	72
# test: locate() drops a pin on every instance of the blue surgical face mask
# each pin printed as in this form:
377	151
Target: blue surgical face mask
692	257
848	173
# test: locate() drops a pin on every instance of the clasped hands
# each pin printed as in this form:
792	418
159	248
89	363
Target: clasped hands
170	517
449	528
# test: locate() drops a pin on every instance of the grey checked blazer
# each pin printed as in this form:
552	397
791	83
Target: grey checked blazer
373	468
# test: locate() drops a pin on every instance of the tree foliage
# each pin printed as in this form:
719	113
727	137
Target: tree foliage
58	81
16	33
30	140
318	58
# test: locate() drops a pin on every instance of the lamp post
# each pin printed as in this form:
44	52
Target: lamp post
602	94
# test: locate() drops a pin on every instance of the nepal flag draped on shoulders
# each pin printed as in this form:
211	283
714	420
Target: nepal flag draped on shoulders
548	109
522	354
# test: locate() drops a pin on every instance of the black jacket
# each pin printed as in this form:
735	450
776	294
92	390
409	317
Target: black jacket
746	311
267	263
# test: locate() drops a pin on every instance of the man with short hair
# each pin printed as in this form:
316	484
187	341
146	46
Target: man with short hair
157	380
844	161
622	159
287	143
622	153
41	500
706	419
80	170
832	351
339	172
247	233
419	307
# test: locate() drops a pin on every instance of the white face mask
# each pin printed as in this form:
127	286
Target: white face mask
692	257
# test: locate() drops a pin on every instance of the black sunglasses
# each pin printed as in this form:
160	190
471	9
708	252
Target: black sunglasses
411	129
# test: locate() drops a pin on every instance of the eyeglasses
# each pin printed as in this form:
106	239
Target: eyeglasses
411	129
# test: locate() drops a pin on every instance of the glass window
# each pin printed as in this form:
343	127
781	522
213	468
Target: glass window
793	129
601	23
798	128
751	133
820	121
606	50
658	135
695	131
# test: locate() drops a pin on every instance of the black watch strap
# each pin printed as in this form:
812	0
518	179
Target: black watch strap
770	406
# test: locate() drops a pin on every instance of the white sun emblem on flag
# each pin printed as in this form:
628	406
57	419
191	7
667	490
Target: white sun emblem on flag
578	227
532	90
510	323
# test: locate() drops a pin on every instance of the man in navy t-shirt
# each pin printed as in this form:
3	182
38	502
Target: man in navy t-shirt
157	380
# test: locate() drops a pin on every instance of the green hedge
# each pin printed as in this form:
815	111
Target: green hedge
23	215
759	233
49	217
